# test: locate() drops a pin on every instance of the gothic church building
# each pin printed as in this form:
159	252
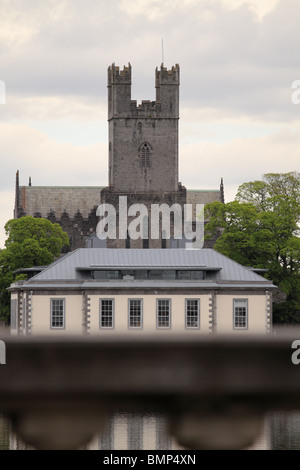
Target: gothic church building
142	165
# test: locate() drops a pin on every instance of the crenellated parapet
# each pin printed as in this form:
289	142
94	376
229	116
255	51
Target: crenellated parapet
167	90
163	76
120	104
117	76
147	109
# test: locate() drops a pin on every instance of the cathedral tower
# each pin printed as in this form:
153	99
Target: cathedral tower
143	146
143	169
143	139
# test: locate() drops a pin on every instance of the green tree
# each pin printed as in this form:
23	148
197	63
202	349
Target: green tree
263	193
30	242
261	229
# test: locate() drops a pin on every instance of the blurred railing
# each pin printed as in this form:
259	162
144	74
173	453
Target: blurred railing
215	390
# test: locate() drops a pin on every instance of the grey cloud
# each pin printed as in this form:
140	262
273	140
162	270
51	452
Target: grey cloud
231	60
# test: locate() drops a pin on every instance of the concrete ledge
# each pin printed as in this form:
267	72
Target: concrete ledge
221	380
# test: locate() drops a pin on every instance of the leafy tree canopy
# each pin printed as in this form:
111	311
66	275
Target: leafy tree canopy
30	242
50	237
261	229
274	186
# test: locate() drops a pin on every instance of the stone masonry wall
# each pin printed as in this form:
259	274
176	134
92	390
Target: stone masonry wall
126	137
111	197
74	208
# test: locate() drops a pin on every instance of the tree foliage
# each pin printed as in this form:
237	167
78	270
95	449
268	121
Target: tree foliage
261	229
262	194
30	242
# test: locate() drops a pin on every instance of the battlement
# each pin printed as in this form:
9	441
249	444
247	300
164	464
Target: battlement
117	76
166	104
146	108
163	76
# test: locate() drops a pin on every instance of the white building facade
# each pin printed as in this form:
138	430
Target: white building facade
117	292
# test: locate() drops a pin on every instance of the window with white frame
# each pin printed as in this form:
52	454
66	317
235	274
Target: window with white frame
135	313
240	314
163	318
192	313
106	313
13	313
57	313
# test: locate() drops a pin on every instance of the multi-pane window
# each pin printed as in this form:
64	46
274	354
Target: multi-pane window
102	275
13	313
240	313
184	275
145	155
192	313
106	313
135	313
140	274
57	313
169	274
163	313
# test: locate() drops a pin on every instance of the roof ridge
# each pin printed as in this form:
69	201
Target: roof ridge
50	266
246	268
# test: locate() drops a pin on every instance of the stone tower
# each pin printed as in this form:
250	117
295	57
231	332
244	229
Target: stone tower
143	166
143	145
143	140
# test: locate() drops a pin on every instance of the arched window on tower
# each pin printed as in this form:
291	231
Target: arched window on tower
144	153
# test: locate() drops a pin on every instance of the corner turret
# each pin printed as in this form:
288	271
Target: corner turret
119	91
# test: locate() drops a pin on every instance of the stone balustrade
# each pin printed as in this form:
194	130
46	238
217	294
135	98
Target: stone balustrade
215	390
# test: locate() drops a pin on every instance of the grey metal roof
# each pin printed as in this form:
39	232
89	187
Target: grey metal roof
65	267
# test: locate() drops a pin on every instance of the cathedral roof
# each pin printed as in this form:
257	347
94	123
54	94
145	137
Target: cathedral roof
57	200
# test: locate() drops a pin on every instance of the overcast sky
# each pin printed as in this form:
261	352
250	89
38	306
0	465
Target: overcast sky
238	60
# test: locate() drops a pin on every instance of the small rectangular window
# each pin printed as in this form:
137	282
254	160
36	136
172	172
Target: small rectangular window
13	313
99	274
195	275
169	274
240	314
57	320
106	274
184	275
111	274
155	274
140	274
135	313
106	313
192	310
163	319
